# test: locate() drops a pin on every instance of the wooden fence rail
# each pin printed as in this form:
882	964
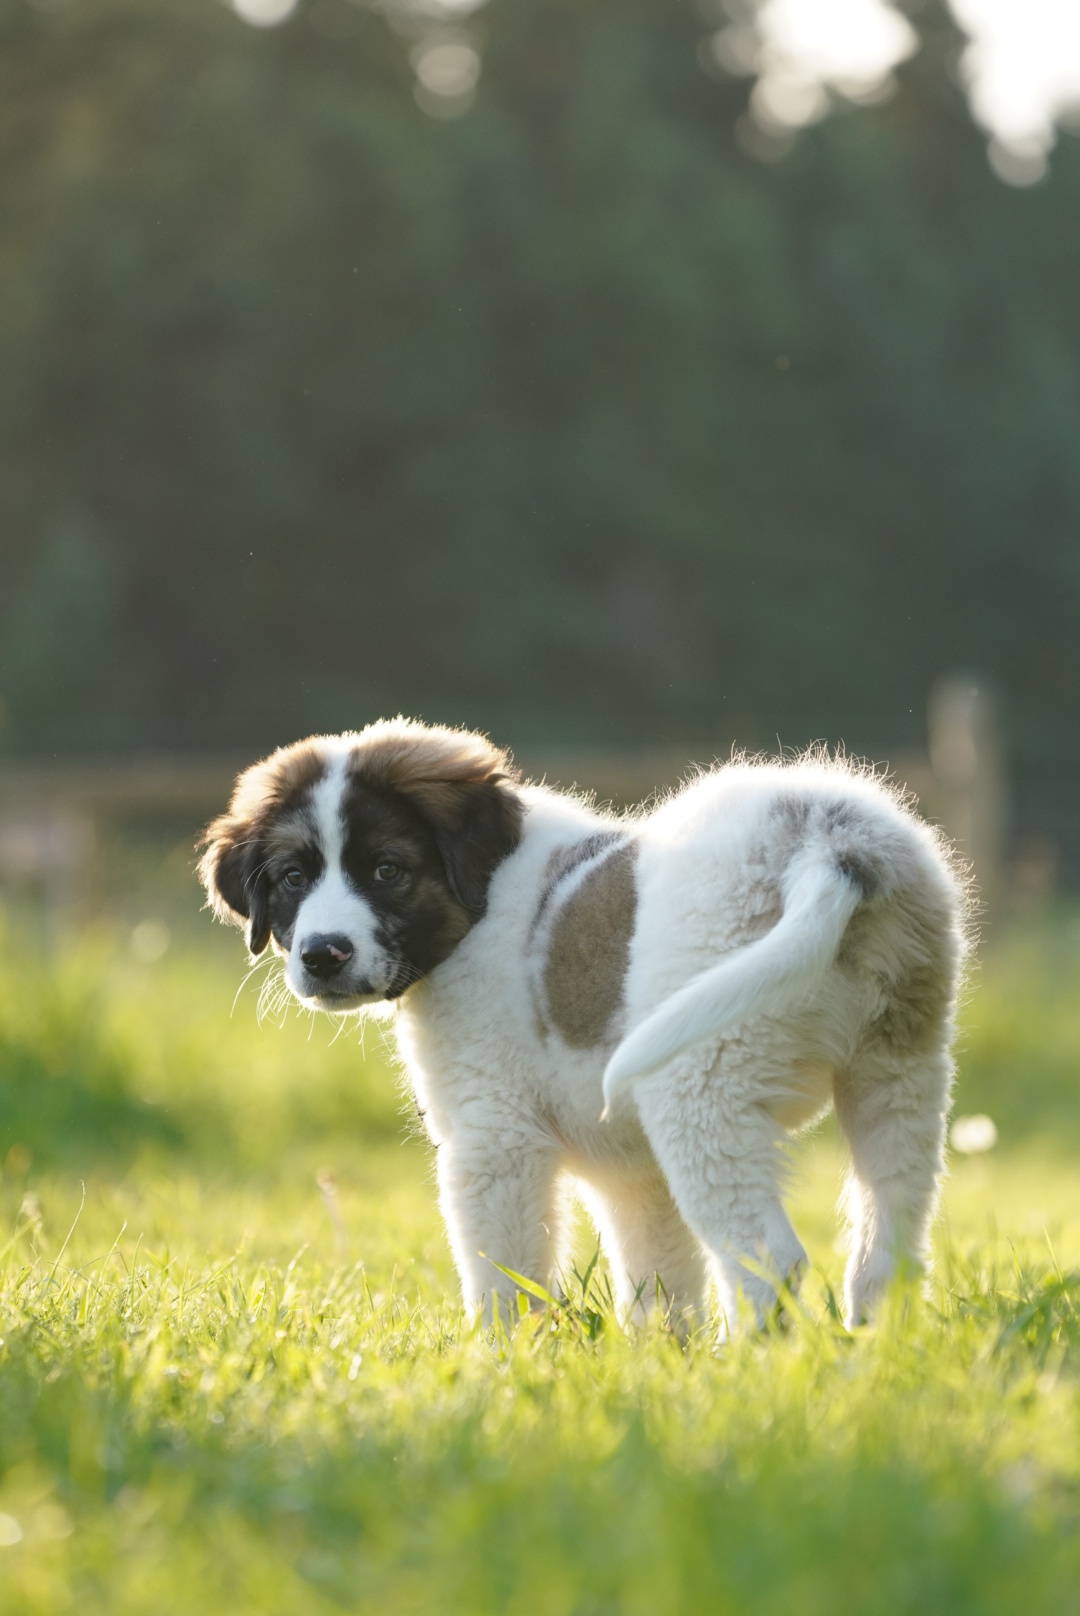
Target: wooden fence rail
56	815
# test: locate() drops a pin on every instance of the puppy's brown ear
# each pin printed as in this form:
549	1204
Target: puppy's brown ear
465	788
475	827
231	870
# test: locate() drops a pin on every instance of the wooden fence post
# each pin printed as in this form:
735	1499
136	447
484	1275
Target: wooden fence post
969	778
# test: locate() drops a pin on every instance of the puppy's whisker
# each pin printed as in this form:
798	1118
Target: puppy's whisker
273	995
258	966
343	1023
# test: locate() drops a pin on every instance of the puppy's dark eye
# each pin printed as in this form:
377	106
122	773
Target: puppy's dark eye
387	870
293	878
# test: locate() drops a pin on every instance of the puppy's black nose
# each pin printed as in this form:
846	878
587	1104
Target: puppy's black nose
324	957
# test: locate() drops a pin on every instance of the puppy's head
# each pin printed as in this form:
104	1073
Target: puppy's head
363	858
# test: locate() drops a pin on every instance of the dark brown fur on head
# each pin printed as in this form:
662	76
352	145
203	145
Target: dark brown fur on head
455	799
463	787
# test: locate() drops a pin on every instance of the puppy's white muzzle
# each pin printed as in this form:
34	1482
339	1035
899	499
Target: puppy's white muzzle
337	961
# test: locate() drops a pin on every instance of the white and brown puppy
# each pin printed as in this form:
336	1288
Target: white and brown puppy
710	976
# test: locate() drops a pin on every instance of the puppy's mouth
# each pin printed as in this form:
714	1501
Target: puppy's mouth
338	994
339	1004
344	993
338	997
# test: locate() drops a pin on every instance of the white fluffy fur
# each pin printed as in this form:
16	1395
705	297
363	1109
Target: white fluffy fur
767	977
789	917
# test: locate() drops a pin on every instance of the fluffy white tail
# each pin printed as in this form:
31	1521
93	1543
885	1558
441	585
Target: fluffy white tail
766	977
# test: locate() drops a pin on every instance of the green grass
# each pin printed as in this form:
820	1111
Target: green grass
234	1377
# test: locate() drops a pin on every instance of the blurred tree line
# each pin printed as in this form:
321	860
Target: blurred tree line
566	417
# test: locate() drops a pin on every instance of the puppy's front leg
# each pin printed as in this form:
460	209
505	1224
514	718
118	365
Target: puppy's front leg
500	1199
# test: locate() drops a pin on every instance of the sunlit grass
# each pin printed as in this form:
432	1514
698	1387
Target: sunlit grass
102	1057
234	1377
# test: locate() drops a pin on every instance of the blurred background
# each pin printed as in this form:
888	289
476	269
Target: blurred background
630	380
633	379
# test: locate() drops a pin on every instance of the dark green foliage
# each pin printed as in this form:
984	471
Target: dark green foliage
355	410
63	645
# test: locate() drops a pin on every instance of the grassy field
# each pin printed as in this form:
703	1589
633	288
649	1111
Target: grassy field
233	1377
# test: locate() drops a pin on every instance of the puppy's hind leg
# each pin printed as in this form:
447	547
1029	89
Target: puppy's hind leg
718	1147
655	1260
892	1111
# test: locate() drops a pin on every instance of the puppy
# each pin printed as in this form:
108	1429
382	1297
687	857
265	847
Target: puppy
644	1005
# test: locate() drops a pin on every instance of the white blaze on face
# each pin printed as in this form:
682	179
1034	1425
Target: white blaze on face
333	907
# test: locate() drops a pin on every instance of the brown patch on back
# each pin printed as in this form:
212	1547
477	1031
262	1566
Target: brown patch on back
564	861
589	951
